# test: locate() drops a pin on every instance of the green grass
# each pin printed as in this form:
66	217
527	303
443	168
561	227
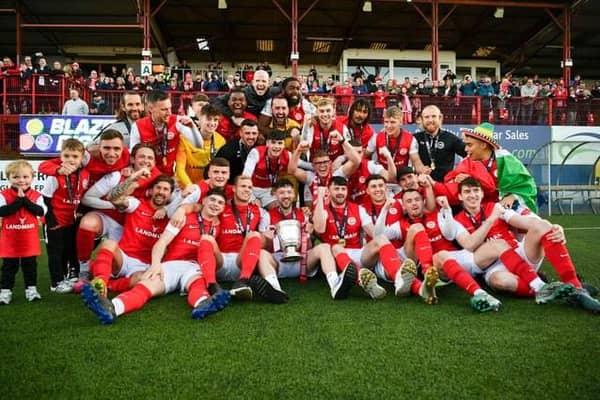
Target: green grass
311	348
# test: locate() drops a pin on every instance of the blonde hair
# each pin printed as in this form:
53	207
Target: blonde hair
325	101
393	112
15	166
73	144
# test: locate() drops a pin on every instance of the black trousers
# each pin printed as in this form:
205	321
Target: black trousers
10	267
60	245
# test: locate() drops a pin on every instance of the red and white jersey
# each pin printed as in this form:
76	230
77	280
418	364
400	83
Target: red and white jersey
275	215
19	232
400	147
356	182
96	196
164	139
265	170
362	133
234	230
432	223
297	113
64	199
371	211
500	230
318	138
313	181
346	223
141	231
96	167
228	129
184	246
205	187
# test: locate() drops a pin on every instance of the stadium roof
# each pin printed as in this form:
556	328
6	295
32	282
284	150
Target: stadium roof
525	39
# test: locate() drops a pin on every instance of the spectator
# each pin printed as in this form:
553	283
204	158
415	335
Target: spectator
358	74
328	86
487	93
449	75
77	77
43	67
92	81
390	87
315	87
27	69
405	105
313	72
173	85
98	105
468	87
514	102
528	94
359	86
595	92
120	83
229	83
188	84
266	67
212	85
541	104
114	72
75	106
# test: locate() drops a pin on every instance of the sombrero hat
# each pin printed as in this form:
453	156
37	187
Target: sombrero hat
483	132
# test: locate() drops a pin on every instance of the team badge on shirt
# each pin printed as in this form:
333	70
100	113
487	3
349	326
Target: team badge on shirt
430	224
403	151
351	221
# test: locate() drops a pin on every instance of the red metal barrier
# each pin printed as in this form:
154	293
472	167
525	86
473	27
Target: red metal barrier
46	94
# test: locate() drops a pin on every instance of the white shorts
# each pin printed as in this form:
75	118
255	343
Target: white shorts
177	274
130	266
466	259
499	266
229	271
291	269
110	228
263	195
355	256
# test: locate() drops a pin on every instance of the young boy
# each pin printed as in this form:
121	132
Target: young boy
62	195
20	207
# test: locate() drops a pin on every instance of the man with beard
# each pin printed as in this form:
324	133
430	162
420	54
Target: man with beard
174	267
264	164
130	256
236	151
257	95
237	106
162	130
357	122
281	121
339	223
299	108
437	146
322	168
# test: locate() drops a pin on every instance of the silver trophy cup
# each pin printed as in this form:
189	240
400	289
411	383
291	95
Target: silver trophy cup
290	235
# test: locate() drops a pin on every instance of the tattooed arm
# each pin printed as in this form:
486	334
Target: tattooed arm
127	187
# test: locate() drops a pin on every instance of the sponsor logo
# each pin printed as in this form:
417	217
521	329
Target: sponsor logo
351	221
403	152
231	231
393	211
19	227
144	232
192	242
430	224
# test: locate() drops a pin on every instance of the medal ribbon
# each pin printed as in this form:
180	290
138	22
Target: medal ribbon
211	231
340	227
238	218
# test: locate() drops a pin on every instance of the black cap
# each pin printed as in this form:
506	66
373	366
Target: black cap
404	171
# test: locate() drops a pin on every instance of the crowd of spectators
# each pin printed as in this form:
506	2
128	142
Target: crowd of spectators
508	99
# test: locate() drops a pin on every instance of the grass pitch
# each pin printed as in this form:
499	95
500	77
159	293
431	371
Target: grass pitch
311	348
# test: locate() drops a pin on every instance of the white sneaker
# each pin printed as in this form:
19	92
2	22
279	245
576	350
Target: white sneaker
405	277
31	293
368	281
64	286
5	296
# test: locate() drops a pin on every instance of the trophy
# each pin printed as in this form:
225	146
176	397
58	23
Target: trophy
289	234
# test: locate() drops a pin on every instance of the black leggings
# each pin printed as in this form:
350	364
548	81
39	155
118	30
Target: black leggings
10	267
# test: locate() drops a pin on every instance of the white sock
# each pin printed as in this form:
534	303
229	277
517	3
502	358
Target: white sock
479	292
119	306
272	279
536	284
332	279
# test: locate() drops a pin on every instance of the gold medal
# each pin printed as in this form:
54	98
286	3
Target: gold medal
165	161
342	242
432	165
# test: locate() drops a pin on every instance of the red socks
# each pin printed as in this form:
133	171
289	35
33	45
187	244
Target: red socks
523	289
515	264
196	291
460	277
415	288
423	250
102	266
390	260
559	257
135	298
85	244
207	261
119	285
249	257
342	260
